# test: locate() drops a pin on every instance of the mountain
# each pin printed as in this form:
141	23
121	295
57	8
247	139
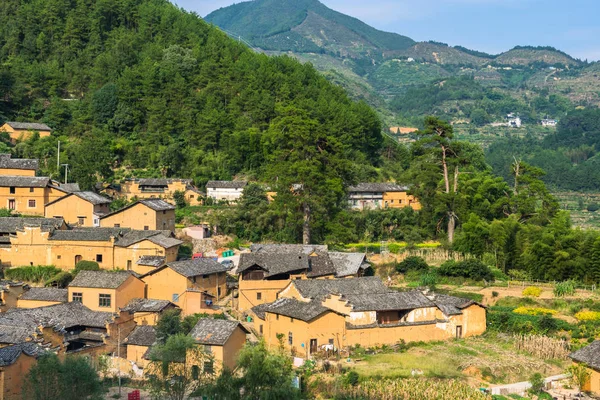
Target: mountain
383	68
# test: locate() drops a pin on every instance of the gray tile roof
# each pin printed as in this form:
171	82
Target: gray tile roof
274	263
348	264
388	301
87	234
46	294
377	187
157	204
589	355
151	261
100	279
30	126
160	181
226	184
199	266
320	265
70	187
16	334
214	331
319	288
6	162
142	335
10	354
24	181
451	305
296	309
147	305
15	224
90	197
287	248
161	238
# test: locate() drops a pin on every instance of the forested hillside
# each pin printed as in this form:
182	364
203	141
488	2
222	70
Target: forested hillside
141	84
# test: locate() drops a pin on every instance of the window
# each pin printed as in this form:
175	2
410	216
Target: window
260	329
219	292
208	367
291	319
12	190
31	203
31	190
77	297
277	317
12	204
164	212
331	342
81	220
117	225
208	349
146	227
99	258
128	265
259	296
290	338
58	257
175	298
104	300
191	197
195	372
204	276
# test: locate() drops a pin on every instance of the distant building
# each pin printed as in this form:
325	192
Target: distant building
24	130
28	195
589	356
139	343
222	339
160	188
225	190
15	362
367	196
549	122
42	297
148	311
514	121
17	166
79	208
148	214
402	130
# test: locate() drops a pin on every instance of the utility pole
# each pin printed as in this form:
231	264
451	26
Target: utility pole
58	159
119	355
66	172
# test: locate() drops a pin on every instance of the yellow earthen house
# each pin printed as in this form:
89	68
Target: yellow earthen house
28	195
16	361
369	196
150	214
82	209
194	285
148	311
589	356
220	339
157	189
105	290
17	166
139	343
42	297
10	292
19	131
41	243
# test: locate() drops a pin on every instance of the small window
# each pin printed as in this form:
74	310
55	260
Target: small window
164	212
117	225
277	317
291	319
31	190
146	227
195	372
12	204
58	257
259	296
260	329
331	342
219	291
81	220
31	204
12	190
99	258
77	297
208	349
175	298
290	338
204	276
104	300
191	196
209	367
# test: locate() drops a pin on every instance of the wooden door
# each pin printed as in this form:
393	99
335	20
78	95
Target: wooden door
313	346
459	331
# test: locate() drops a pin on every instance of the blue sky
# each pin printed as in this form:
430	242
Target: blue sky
486	25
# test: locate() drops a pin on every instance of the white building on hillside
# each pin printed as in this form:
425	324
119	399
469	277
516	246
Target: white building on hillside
225	190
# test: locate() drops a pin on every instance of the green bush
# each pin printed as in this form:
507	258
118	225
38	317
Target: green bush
566	288
86	266
34	274
352	378
593	207
60	280
428	279
494	293
412	263
473	269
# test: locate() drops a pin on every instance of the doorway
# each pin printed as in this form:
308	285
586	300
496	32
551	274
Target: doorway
77	259
459	331
313	346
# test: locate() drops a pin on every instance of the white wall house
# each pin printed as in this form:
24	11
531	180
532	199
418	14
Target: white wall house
225	190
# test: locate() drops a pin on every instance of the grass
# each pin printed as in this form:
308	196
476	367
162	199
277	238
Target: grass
33	274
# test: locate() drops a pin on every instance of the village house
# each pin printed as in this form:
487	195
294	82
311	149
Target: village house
267	269
139	343
149	214
105	290
42	297
160	188
589	356
24	130
9	293
369	196
148	311
79	208
41	243
15	362
28	195
146	264
17	166
222	339
402	130
314	315
225	190
549	122
194	285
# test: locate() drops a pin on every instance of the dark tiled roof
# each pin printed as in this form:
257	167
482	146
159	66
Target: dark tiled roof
589	355
24	181
274	263
30	126
147	305
143	335
90	197
151	261
296	309
160	181
87	234
318	288
199	266
451	305
46	294
226	184
377	187
287	248
320	265
70	187
388	301
260	309
15	334
157	204
347	264
214	331
14	224
161	238
100	279
10	354
6	162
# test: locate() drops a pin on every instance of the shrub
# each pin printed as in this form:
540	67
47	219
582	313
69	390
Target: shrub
34	274
352	378
588	316
593	207
473	269
566	288
86	266
537	383
412	263
428	279
534	311
60	280
494	293
532	291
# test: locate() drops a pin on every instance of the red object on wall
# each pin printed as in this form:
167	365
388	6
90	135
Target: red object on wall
135	395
